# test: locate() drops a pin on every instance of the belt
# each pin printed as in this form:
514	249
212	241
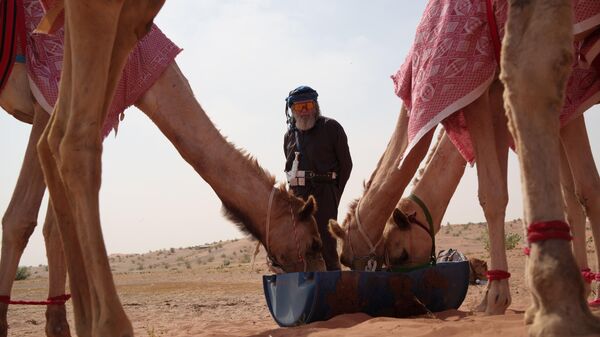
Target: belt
315	177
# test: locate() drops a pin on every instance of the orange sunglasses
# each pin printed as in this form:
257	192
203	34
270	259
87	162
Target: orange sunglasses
303	106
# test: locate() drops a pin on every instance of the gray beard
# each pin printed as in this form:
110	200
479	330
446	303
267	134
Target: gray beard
305	122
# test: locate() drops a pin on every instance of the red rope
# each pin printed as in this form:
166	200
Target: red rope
546	230
526	250
61	299
495	275
588	275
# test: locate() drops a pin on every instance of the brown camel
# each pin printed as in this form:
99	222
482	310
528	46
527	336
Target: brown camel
559	306
486	124
189	129
408	239
487	128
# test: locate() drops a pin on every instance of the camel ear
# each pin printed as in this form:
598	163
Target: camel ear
336	230
309	208
400	219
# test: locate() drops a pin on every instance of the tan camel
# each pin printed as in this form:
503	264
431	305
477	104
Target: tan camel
190	131
559	307
408	239
361	240
21	216
487	128
22	213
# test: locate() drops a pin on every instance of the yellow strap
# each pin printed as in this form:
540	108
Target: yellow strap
48	22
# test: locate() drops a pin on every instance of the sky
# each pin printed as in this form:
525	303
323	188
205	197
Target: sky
241	59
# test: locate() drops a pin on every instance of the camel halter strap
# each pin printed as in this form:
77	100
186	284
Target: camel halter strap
268	222
372	262
55	300
429	218
274	264
271	196
430	231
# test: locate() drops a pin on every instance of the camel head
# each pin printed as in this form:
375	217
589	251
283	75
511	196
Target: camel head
292	240
407	239
356	250
294	243
15	97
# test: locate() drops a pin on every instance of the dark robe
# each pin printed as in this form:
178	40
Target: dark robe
323	149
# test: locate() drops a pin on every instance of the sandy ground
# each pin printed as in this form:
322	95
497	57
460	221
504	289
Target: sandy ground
211	290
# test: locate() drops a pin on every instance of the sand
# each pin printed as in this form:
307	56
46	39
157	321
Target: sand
211	290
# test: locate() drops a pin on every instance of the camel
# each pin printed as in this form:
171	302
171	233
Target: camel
486	125
408	236
551	267
190	131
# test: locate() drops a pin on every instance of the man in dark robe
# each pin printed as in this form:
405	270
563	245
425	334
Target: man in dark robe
318	162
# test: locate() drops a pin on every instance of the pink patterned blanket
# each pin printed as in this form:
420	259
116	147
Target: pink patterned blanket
451	63
153	54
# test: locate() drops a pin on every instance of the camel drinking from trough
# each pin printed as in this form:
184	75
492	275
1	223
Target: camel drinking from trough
190	130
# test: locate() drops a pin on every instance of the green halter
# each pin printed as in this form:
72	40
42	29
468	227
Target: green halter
432	258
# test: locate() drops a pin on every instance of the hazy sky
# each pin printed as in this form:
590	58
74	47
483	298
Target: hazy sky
242	58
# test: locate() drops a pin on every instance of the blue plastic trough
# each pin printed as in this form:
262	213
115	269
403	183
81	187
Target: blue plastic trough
300	298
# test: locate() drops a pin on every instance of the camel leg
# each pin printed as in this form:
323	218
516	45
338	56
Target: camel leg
68	232
493	197
56	314
20	218
536	61
98	39
586	180
574	212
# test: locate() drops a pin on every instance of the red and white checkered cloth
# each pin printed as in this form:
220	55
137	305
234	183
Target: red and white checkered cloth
153	54
452	62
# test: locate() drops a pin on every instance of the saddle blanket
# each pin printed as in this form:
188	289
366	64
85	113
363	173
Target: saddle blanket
452	62
44	55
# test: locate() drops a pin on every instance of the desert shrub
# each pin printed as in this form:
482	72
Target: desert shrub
188	265
511	240
245	258
172	250
22	273
223	255
226	262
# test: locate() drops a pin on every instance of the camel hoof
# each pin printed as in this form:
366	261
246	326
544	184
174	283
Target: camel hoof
56	321
530	315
